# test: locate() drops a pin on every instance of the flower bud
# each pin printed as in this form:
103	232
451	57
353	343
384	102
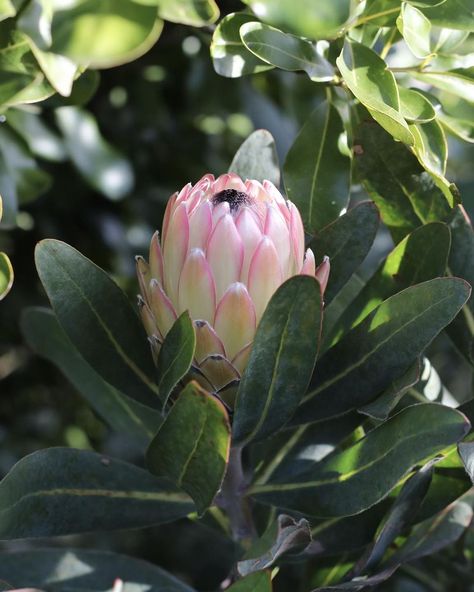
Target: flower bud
226	246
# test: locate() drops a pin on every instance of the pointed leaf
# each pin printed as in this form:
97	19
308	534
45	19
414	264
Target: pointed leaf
176	355
60	491
346	242
355	479
257	158
416	29
98	319
316	174
191	448
45	336
281	362
381	348
286	51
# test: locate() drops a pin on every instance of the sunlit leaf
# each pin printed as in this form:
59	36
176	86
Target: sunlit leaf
416	29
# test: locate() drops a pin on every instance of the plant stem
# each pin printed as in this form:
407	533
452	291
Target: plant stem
232	499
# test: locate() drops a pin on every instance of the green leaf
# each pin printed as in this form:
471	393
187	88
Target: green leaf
59	70
281	361
127	31
286	51
284	535
436	533
420	256
98	319
191	448
381	348
60	569
316	174
367	76
453	14
176	356
404	192
45	336
6	275
257	158
195	13
459	81
461	264
41	140
102	165
230	57
416	30
414	107
35	21
462	128
355	479
259	581
60	491
381	408
316	20
346	242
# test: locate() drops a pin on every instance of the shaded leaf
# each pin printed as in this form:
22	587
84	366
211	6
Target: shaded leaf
281	361
98	319
404	192
176	355
355	479
283	536
60	491
381	348
102	165
95	570
259	581
367	76
414	106
455	14
257	158
346	242
316	174
41	140
466	452
44	334
229	55
191	448
285	51
6	275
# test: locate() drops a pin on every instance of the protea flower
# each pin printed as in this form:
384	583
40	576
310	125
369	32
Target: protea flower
226	246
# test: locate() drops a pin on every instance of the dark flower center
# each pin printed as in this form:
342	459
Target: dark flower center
234	198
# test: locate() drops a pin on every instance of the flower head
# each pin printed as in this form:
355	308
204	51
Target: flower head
226	246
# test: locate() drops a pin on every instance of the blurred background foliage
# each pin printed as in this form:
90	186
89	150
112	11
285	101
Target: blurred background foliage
94	163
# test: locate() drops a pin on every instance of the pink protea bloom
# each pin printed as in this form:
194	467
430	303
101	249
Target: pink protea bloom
226	246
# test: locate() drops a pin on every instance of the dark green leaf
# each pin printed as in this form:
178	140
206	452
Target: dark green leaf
316	20
259	581
98	319
466	452
420	256
355	479
286	51
257	158
283	536
44	334
346	242
382	406
281	362
367	76
229	55
191	448
60	569
195	13
359	583
461	264
60	491
127	31
381	348
316	174
404	192
176	355
102	166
